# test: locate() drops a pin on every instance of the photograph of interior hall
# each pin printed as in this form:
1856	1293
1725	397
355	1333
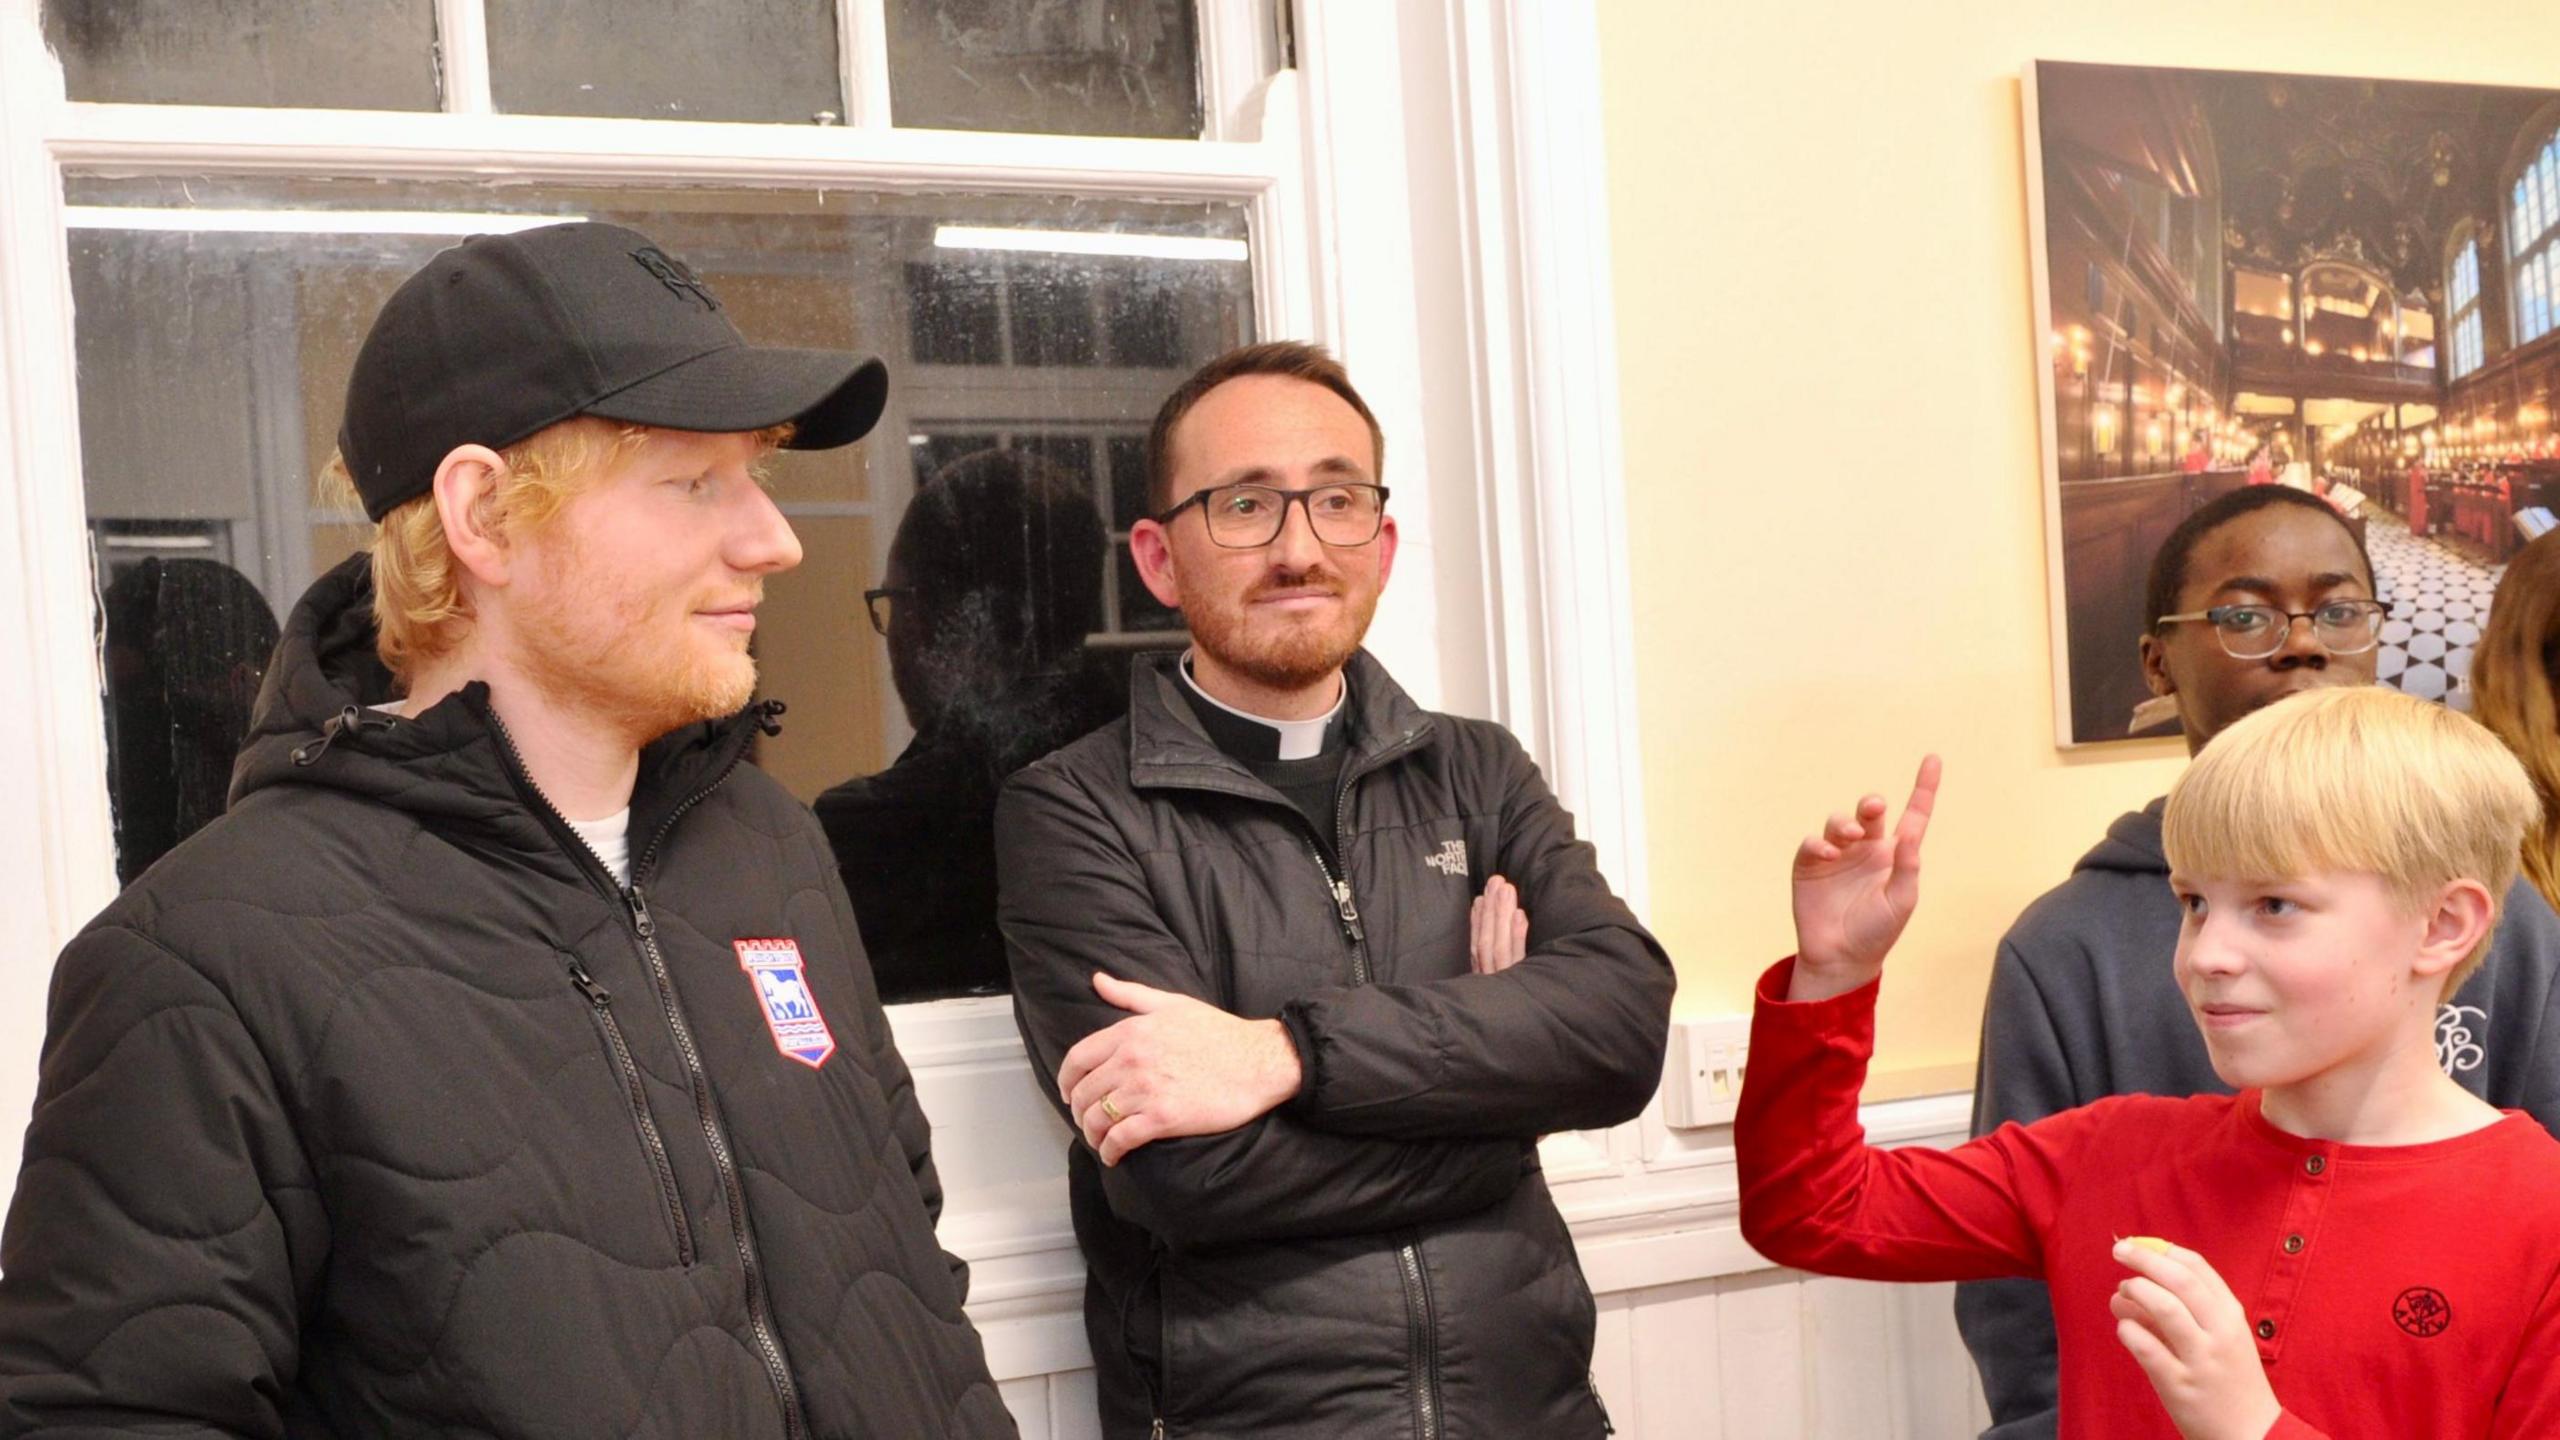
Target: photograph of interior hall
1770	394
2345	285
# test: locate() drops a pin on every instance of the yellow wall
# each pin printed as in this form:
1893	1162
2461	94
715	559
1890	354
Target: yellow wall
1833	470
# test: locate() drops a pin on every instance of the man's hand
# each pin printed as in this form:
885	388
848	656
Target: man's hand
1856	885
1497	929
1177	1066
2187	1331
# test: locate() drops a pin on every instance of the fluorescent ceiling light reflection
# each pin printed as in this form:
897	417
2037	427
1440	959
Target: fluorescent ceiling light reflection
304	222
1089	242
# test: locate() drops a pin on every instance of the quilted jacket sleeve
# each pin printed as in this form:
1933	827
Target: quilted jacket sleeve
1071	901
1571	1038
166	1234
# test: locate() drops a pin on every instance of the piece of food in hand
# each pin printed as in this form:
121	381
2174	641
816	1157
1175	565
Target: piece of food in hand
2149	1242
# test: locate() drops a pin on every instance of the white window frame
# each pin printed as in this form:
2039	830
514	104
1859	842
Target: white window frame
1425	195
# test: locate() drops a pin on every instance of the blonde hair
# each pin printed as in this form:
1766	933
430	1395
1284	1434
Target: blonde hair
2512	691
420	613
2361	779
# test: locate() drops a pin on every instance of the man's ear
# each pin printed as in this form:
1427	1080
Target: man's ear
2457	920
2155	664
465	483
1152	550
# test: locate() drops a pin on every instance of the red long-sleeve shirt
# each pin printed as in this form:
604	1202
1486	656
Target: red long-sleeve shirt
2409	1292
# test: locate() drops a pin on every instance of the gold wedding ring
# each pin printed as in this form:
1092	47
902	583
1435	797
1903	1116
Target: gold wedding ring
1112	1110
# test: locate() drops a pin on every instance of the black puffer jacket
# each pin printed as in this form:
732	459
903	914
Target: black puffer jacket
1379	1257
377	1108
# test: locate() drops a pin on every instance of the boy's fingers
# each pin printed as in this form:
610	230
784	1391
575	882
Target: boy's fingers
2181	1272
2147	1351
2163	1313
1923	801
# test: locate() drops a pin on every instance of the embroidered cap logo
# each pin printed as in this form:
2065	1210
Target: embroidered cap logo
671	272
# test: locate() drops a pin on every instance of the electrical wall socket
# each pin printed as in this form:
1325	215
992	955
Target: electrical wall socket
1702	1081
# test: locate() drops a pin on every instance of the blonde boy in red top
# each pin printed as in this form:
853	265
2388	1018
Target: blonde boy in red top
2353	1245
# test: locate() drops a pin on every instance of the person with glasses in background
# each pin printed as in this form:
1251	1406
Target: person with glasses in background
2260	593
1313	968
992	584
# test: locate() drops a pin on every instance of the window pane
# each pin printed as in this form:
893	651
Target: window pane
213	367
955	313
1128	480
771	60
340	54
1097	67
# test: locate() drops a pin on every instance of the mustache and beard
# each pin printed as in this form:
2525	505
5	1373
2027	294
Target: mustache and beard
632	657
1277	649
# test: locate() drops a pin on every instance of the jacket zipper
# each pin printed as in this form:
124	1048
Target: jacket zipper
760	1325
1607	1426
651	1141
1421	1325
759	1310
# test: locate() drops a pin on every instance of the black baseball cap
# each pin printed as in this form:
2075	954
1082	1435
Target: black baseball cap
504	335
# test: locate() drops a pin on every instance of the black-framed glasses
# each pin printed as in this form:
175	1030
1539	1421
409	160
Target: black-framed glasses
2254	632
883	602
1246	517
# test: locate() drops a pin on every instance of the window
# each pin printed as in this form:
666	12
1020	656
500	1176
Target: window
1033	317
2462	297
2533	217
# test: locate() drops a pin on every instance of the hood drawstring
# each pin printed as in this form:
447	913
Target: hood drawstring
354	718
769	717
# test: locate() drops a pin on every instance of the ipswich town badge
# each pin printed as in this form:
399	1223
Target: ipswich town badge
790	1011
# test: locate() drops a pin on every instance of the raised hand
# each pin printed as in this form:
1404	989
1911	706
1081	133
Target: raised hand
1856	885
1497	929
1176	1066
2187	1331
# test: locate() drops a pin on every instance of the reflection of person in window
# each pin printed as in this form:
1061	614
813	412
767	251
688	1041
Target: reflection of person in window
994	580
186	644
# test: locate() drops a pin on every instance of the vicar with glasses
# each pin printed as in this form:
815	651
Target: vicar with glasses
1313	968
2259	594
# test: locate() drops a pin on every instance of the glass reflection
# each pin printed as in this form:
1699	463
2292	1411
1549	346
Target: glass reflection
213	367
750	60
185	646
995	581
1085	67
343	54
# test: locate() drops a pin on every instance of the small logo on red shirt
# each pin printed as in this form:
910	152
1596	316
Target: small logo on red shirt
790	1011
2422	1311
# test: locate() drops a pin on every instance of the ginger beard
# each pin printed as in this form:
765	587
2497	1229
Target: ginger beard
606	643
1282	649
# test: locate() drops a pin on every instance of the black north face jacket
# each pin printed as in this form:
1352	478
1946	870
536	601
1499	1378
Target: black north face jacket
378	1108
1379	1257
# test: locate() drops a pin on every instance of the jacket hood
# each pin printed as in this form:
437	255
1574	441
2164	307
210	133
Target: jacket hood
2132	845
1168	747
450	767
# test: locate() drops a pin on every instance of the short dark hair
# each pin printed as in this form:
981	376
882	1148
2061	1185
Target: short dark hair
2169	566
1019	536
1293	359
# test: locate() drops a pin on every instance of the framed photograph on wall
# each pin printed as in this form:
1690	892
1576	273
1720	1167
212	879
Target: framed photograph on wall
2350	286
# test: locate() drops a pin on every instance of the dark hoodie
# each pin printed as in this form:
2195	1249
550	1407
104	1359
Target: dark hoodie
2085	1004
379	1108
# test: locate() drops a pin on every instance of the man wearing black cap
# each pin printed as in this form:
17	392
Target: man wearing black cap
505	1062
